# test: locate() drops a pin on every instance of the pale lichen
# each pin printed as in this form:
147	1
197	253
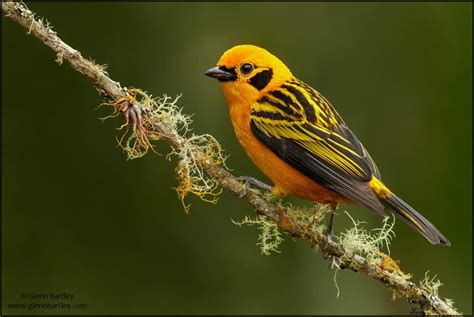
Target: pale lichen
358	240
144	115
430	288
152	111
308	219
431	285
98	68
269	237
190	172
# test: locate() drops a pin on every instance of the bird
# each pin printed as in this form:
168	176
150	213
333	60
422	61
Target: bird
295	136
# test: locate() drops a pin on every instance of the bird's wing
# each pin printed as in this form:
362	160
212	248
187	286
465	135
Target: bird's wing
300	126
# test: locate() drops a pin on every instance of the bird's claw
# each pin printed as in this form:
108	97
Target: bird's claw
245	188
247	181
326	243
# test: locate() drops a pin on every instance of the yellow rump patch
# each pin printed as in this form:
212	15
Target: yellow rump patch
379	188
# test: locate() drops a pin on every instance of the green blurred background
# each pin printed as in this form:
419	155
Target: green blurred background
79	218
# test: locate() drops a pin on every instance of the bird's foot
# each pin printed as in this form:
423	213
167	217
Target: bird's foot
248	181
326	243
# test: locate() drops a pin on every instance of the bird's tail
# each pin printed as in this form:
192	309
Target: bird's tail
393	203
414	219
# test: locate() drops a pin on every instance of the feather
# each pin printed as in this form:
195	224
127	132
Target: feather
310	136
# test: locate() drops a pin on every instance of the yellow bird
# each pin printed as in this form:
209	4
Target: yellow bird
296	137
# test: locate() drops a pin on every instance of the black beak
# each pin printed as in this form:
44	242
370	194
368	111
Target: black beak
221	73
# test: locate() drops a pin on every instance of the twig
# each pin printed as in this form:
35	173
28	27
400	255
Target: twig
394	279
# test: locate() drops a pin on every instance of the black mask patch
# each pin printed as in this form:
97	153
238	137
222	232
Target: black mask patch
232	74
262	79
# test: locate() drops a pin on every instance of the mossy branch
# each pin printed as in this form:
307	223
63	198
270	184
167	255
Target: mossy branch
153	120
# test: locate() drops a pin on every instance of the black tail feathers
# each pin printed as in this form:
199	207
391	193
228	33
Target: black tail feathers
414	219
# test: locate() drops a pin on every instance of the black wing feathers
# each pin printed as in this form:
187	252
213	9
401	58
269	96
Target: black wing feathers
319	171
301	127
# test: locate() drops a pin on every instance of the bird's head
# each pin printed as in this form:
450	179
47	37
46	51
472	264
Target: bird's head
248	72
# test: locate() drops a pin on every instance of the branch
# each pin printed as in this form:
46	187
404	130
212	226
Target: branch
141	115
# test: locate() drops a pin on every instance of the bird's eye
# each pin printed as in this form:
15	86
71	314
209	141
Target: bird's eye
246	68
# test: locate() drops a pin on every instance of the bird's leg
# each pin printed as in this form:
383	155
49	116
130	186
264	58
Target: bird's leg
248	181
330	228
332	218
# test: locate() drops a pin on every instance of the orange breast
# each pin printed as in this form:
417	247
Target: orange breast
287	179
